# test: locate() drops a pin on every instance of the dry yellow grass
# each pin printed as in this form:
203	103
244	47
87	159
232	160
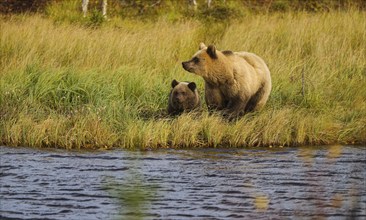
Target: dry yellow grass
68	86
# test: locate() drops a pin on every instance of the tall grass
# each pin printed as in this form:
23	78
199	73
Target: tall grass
69	86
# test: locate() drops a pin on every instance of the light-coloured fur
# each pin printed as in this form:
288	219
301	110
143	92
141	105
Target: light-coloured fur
236	82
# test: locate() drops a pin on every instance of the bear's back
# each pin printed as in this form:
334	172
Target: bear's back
254	60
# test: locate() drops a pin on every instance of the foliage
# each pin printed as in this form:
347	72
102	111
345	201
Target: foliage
219	10
19	6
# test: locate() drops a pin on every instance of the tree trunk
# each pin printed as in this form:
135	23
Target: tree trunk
85	7
194	3
209	3
104	8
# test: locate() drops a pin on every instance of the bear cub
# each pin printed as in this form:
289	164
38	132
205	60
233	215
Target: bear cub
235	82
183	97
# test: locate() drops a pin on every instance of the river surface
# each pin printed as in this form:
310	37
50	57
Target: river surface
254	183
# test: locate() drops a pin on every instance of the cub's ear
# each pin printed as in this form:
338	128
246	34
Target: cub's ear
211	51
202	46
174	83
192	86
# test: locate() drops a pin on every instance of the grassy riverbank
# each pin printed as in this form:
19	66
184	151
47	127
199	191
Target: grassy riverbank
71	86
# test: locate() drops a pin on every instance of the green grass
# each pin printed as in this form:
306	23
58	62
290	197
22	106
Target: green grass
68	85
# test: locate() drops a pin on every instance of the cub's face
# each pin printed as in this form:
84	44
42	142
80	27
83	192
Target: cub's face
201	60
183	92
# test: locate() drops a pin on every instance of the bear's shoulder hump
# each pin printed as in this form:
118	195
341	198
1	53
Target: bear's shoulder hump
227	52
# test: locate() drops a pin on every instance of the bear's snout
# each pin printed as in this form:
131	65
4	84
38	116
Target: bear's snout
179	98
186	66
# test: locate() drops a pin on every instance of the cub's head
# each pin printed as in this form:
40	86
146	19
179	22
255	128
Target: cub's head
204	59
183	93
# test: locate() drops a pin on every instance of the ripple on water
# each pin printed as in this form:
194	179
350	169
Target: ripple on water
184	184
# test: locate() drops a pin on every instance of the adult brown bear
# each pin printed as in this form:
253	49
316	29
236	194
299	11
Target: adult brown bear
235	82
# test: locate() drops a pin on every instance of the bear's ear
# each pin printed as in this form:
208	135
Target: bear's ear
202	46
174	83
211	50
192	86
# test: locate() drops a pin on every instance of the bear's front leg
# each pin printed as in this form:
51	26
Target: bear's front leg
235	108
214	98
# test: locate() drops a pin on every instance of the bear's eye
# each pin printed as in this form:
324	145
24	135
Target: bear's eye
196	60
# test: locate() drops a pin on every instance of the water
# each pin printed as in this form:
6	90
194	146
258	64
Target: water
258	183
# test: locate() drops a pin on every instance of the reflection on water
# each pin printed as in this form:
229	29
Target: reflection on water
322	182
261	202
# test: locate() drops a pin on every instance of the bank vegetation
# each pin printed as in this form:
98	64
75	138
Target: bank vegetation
104	83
